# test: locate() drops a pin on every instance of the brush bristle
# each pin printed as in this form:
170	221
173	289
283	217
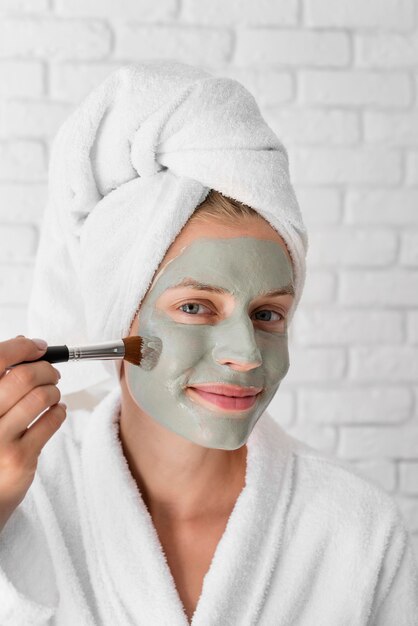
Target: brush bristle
142	351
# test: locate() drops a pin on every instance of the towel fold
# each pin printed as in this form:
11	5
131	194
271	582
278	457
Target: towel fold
127	170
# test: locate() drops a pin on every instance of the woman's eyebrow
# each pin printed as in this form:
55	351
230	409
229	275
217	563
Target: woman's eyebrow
190	282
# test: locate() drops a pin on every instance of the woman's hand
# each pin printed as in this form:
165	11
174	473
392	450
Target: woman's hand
25	392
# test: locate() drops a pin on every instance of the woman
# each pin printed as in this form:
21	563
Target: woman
190	483
179	499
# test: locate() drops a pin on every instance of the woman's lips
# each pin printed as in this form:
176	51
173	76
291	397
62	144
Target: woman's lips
228	403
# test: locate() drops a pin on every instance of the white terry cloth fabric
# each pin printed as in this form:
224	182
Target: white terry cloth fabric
308	542
127	170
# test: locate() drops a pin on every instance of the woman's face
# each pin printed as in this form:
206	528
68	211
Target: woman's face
210	304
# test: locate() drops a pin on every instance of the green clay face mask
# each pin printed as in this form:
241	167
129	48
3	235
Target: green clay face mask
205	340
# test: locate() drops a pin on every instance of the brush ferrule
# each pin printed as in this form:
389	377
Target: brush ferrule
108	350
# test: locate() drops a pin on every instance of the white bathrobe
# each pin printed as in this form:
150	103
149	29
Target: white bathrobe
309	542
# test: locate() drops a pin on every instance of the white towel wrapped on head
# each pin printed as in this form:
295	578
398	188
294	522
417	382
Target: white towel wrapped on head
127	170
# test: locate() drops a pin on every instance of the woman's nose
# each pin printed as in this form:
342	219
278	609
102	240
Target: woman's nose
239	366
235	345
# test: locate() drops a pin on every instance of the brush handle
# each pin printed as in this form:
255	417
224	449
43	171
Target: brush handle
107	350
53	354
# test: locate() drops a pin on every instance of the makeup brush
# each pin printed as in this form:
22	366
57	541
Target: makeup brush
141	351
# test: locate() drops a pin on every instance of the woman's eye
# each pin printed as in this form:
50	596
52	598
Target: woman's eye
267	313
191	305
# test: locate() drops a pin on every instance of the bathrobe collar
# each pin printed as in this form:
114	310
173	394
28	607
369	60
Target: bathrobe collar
126	559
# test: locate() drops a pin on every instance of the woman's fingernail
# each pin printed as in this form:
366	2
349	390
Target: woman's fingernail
40	343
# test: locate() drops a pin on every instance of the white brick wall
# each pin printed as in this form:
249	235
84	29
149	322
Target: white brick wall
267	46
22	161
338	82
146	10
386	14
355	87
57	39
186	43
21	79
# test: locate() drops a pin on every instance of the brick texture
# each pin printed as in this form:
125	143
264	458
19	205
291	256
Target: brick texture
381	14
236	12
291	47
